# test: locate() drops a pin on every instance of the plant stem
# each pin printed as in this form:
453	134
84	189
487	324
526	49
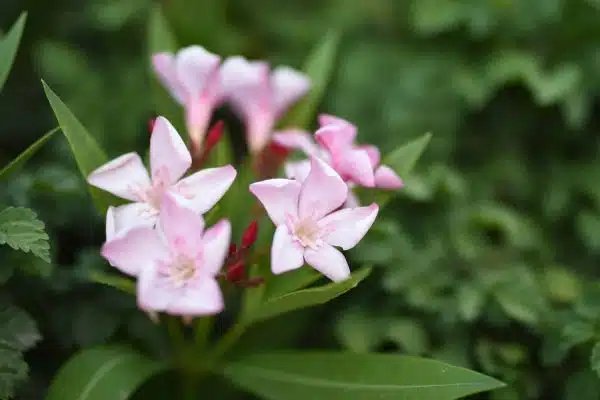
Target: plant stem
175	333
202	331
226	342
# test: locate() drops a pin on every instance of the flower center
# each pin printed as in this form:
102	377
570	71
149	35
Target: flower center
306	231
180	271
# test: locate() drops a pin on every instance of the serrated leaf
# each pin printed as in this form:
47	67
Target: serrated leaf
22	158
8	47
306	297
22	230
351	376
110	372
18	333
319	68
86	150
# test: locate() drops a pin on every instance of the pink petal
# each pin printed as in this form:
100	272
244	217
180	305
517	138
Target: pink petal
246	84
203	189
386	178
336	137
373	153
198	298
111	228
154	290
322	191
296	139
326	119
130	215
297	170
329	261
259	125
356	166
215	246
125	176
346	227
288	86
164	66
181	226
169	157
279	197
197	70
286	254
198	112
352	200
135	249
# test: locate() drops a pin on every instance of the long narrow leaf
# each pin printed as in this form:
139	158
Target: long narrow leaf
22	158
8	47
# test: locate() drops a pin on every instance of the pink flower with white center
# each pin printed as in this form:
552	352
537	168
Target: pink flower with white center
192	77
308	225
357	165
259	96
127	178
176	265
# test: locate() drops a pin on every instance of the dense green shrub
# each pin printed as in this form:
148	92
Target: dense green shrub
487	260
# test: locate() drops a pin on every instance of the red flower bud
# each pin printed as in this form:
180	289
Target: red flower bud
232	250
235	273
214	135
250	235
278	150
151	124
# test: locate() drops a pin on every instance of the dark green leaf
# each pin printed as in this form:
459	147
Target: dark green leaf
88	153
8	47
306	297
94	325
102	373
283	284
403	159
595	358
351	376
119	282
319	68
18	333
22	158
22	230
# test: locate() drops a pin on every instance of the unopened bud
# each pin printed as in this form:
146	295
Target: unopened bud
250	235
232	250
278	150
151	125
235	273
214	135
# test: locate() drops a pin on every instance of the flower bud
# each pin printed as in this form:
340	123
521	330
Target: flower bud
151	123
214	135
235	273
250	235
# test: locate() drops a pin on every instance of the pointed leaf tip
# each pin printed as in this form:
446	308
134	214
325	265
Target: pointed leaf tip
9	45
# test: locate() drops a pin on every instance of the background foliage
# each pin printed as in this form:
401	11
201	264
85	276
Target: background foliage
488	260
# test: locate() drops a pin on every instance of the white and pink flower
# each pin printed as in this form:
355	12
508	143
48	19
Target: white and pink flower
309	222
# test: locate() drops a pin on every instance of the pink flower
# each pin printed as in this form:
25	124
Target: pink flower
176	265
127	178
308	227
193	79
259	96
357	165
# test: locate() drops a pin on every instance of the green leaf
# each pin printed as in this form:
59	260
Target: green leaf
88	153
18	333
278	285
306	297
595	358
8	47
351	376
319	68
109	372
403	159
161	38
22	158
123	284
22	230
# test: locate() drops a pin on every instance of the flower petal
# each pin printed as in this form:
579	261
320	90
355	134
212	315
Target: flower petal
215	246
329	261
111	225
322	191
154	291
169	157
373	153
181	226
335	133
203	189
355	165
125	176
288	86
164	66
286	254
259	125
131	215
352	200
386	178
135	249
279	197
246	84
297	170
296	139
202	297
197	70
346	227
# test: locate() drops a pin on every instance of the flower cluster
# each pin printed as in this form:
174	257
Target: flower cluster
160	237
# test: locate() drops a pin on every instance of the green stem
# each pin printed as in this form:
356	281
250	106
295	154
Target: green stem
175	333
202	331
227	342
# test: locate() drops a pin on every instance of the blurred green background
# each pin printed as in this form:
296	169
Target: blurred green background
489	259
